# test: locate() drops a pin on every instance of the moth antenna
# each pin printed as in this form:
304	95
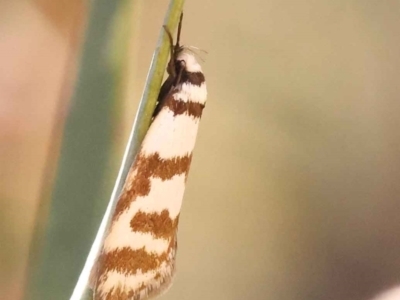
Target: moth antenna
174	48
178	35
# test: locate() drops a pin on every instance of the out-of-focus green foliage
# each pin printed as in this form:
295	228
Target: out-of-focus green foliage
77	205
85	152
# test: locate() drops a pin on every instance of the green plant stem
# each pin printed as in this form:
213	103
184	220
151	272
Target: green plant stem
140	127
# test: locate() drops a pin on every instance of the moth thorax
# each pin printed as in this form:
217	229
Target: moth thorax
191	64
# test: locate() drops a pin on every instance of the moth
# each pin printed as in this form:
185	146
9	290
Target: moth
137	260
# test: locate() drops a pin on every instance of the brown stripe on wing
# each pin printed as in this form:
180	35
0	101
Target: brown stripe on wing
195	78
160	225
146	167
120	293
128	261
166	91
193	109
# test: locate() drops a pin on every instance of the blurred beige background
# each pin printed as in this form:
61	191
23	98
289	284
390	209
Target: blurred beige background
38	46
293	192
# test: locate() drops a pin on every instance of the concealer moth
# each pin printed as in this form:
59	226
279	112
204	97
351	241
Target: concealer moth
137	260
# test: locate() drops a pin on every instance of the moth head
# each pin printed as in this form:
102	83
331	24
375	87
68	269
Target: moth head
188	61
182	57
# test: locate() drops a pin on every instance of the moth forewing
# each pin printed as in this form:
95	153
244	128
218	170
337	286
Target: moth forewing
137	260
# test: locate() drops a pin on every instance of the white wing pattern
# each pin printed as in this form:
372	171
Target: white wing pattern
138	256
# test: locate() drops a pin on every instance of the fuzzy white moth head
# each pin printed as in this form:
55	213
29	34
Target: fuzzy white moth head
191	64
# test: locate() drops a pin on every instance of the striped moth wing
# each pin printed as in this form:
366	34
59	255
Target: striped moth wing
137	260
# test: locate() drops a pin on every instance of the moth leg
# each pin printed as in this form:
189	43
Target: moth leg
165	90
178	35
171	64
181	67
171	68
